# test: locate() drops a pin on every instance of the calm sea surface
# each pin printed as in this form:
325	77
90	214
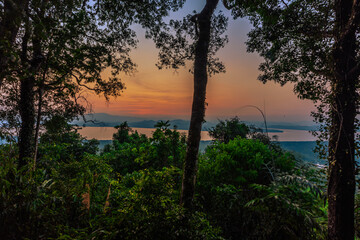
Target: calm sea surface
105	133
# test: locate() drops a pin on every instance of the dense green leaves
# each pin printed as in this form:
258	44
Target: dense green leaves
245	189
227	130
131	151
256	191
144	205
241	161
315	44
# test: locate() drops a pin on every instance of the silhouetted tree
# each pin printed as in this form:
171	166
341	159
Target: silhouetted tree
11	16
229	129
123	132
198	37
316	45
65	46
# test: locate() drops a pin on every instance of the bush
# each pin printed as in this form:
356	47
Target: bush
48	202
135	152
229	129
253	192
241	162
144	205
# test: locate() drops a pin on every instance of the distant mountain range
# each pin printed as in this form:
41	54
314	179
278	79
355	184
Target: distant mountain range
108	120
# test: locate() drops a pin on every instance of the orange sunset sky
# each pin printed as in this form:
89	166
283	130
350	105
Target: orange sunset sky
154	93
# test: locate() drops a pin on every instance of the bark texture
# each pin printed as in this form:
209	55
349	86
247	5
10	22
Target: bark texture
341	188
203	21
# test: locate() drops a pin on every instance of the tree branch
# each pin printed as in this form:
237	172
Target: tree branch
354	20
286	5
83	85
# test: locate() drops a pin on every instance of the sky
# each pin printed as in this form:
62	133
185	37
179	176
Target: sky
167	94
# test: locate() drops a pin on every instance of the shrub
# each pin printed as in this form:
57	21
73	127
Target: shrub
135	152
253	191
144	205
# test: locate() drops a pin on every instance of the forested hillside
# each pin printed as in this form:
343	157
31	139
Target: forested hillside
130	189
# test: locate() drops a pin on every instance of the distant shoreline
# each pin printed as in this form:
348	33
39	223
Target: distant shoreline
108	120
270	130
106	133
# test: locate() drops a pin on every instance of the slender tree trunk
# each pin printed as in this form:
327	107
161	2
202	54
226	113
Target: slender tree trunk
39	109
341	188
27	114
9	27
26	103
203	21
37	128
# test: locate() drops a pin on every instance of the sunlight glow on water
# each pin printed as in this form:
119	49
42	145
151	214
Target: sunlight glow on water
106	133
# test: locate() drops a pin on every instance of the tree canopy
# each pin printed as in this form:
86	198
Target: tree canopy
315	44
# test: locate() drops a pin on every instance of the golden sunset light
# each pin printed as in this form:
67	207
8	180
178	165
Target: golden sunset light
168	93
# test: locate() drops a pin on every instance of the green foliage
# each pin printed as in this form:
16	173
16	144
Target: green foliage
122	135
45	203
357	215
286	203
132	152
245	190
48	203
240	162
144	205
255	192
61	142
227	130
231	128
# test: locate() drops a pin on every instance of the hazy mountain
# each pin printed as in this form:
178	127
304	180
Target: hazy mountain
99	119
109	120
179	123
293	127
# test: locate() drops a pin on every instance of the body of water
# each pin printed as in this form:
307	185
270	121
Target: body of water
290	135
106	133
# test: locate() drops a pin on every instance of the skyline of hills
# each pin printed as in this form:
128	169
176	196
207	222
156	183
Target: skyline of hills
109	120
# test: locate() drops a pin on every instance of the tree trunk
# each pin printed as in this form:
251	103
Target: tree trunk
26	103
27	114
203	21
9	27
37	128
341	188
